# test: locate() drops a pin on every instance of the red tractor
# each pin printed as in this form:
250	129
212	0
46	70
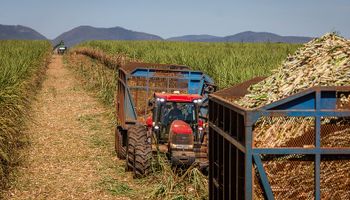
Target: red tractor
175	123
170	121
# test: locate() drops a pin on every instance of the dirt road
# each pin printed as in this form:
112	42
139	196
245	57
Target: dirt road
70	155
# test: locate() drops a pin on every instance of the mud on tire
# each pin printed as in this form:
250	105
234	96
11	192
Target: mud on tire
139	151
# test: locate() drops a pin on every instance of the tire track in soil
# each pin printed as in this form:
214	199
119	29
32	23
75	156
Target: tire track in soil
63	160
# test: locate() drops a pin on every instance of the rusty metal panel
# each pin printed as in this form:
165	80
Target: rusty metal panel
121	97
238	90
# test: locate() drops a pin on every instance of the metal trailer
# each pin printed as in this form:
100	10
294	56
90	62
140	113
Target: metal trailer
241	167
137	83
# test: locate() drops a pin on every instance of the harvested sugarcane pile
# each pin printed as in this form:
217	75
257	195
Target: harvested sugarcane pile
273	132
344	101
293	178
322	62
337	139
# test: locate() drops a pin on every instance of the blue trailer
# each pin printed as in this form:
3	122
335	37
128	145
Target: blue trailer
294	148
135	103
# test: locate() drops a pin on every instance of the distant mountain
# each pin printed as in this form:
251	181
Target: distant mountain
84	33
18	32
195	38
250	36
247	36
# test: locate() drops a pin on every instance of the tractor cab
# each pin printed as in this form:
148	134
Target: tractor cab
175	122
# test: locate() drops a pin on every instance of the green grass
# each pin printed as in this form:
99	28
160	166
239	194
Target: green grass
115	187
22	64
227	63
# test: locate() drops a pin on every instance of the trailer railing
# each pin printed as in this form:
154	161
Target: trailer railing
295	148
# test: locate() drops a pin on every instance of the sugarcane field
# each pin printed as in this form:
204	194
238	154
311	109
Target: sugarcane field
194	100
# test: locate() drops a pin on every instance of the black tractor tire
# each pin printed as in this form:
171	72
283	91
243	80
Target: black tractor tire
118	145
139	156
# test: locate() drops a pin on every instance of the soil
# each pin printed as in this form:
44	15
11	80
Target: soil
70	155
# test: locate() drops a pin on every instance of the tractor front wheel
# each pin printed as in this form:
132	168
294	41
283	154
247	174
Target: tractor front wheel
139	151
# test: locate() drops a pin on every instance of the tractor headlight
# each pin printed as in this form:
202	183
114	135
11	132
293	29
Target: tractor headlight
160	99
197	101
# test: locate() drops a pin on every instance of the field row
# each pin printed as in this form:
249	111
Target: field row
21	66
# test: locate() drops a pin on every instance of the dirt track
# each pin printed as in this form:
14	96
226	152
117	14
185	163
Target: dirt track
70	155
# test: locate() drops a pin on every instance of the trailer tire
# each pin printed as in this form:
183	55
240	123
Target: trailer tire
139	151
119	149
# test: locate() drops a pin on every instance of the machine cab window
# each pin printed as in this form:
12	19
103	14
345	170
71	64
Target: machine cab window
171	111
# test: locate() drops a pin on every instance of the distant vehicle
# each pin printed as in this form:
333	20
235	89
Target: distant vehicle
60	48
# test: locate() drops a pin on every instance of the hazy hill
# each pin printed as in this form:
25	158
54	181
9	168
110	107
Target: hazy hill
18	32
83	33
247	36
250	36
194	38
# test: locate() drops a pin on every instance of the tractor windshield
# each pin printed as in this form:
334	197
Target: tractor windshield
171	111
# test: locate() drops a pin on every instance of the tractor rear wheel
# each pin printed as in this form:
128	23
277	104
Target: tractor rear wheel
139	151
119	149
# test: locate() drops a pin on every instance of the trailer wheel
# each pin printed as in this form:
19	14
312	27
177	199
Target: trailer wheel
139	151
119	149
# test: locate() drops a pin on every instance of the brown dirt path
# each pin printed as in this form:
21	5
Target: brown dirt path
67	156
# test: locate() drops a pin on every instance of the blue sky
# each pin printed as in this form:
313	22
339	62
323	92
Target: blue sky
168	18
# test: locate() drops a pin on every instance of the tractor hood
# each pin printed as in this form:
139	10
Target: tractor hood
180	127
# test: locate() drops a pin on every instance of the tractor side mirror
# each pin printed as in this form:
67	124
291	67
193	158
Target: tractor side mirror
209	88
150	103
149	122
